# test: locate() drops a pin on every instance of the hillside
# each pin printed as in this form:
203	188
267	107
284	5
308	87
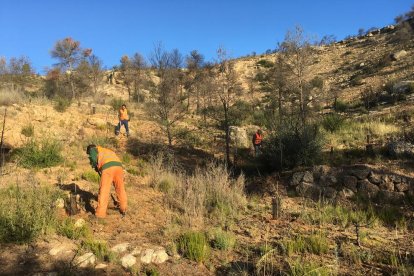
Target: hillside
350	213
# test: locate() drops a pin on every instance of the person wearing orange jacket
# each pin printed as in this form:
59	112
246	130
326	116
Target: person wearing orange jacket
257	142
123	119
109	167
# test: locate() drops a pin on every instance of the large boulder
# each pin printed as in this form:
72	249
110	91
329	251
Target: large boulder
299	177
308	190
239	137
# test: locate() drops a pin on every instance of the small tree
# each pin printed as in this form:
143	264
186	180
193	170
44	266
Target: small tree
132	73
194	62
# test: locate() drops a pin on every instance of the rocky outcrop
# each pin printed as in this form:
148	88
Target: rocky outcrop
346	182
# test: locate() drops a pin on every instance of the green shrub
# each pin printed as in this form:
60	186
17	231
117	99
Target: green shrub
91	176
341	106
43	154
299	146
300	267
68	229
317	82
116	103
26	213
223	240
28	130
315	244
265	63
194	246
126	158
332	122
61	104
100	249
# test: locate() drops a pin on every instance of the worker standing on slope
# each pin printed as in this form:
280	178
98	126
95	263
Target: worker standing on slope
257	142
109	167
123	119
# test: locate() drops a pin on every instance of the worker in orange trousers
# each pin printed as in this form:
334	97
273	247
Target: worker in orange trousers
109	167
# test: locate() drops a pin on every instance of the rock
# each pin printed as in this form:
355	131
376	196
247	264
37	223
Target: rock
402	187
137	251
60	203
307	177
146	256
391	197
56	250
296	178
239	137
398	55
159	256
80	223
128	260
350	182
400	149
85	260
101	266
367	188
387	186
374	178
97	122
329	192
403	87
308	190
119	248
346	193
361	174
321	171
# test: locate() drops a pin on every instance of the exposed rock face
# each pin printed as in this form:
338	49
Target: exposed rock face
128	261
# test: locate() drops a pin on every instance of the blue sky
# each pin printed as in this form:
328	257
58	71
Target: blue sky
118	27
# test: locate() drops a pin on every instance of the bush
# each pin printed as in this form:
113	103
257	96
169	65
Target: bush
62	104
116	103
90	176
317	82
28	130
341	106
299	146
301	267
223	240
332	122
68	229
43	154
26	213
194	246
265	63
100	249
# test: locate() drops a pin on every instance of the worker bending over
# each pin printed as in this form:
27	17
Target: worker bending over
109	167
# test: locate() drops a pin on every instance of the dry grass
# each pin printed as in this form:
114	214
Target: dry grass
209	193
9	97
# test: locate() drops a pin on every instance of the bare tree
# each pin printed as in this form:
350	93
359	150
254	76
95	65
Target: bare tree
132	73
167	108
297	53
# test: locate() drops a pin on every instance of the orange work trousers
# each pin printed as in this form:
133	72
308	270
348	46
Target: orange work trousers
111	175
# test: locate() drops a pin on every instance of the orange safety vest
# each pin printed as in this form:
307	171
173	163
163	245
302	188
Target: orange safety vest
105	156
123	114
258	139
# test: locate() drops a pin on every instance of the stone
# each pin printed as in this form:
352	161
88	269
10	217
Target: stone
361	174
350	182
387	186
101	266
80	223
119	248
137	251
60	203
367	188
395	178
346	193
374	178
400	149
320	171
401	187
87	259
159	256
391	197
58	249
97	122
239	137
398	55
403	87
146	256
128	260
307	177
329	192
296	178
308	190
